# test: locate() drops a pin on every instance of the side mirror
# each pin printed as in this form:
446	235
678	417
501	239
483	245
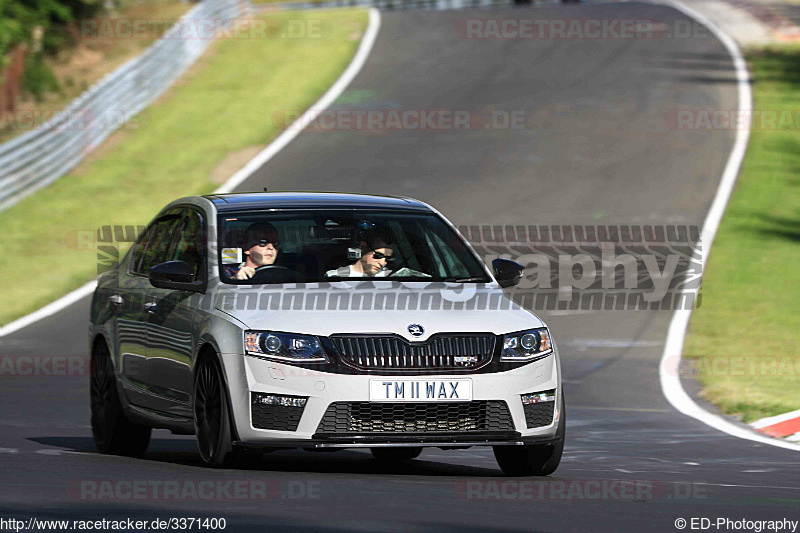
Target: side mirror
175	275
507	272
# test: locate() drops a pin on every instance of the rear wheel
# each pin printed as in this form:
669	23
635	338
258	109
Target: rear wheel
113	432
211	416
539	460
396	454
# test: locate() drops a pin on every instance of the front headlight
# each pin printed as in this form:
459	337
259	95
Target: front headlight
526	345
289	347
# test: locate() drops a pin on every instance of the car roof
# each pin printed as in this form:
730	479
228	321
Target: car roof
311	200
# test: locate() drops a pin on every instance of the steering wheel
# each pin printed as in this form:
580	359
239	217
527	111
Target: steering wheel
273	274
265	267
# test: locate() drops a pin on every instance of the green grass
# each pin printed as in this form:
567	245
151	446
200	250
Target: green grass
745	335
227	102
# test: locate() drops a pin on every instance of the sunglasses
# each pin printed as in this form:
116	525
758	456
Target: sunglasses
264	242
379	255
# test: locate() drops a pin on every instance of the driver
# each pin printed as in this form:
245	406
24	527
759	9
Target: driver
375	253
261	247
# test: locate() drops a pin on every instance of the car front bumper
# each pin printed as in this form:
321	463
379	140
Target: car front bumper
246	375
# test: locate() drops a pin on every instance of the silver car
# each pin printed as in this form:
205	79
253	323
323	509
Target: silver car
322	321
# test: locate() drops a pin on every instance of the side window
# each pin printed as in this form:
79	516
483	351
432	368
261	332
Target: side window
189	246
139	246
156	243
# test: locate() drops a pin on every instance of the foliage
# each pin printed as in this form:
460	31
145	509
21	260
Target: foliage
231	101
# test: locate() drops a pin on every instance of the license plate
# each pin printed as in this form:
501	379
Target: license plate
420	390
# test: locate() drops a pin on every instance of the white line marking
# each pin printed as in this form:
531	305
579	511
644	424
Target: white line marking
364	49
314	111
49	309
744	486
764	422
49	451
670	360
9	450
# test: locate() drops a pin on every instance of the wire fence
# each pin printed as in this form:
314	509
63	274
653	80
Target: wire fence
39	157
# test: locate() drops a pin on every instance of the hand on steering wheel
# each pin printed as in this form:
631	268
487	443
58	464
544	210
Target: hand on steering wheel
265	267
273	274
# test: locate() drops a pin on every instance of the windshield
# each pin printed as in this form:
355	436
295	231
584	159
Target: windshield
314	246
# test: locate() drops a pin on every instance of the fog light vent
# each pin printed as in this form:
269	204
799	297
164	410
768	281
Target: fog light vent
274	399
539	408
539	397
276	412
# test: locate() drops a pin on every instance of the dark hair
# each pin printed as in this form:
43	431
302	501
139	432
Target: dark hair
377	236
259	231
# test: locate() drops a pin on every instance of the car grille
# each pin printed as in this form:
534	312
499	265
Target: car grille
445	352
380	417
276	417
539	414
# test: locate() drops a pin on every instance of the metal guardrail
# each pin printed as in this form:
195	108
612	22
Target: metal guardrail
41	156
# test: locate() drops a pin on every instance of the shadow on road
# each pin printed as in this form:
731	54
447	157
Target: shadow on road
183	451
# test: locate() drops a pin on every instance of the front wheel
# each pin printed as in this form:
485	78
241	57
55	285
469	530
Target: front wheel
396	454
533	460
211	416
112	431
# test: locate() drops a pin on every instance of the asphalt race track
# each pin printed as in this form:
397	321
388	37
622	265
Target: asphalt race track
596	148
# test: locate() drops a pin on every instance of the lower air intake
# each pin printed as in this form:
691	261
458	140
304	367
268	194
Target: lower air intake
376	418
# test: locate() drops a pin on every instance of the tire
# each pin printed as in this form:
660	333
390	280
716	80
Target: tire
539	460
113	432
212	420
396	454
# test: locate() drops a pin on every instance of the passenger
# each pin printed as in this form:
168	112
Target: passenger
375	253
261	246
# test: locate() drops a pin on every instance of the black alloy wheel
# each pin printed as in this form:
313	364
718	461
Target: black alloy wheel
211	416
533	460
113	432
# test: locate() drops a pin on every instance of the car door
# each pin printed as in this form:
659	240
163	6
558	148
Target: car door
133	317
171	334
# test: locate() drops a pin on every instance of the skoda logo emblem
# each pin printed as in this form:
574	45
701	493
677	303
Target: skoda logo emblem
416	330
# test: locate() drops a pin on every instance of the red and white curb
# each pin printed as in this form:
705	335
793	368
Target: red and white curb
785	426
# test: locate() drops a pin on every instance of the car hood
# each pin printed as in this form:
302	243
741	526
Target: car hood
339	308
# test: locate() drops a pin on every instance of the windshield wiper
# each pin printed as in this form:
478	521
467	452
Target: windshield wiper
464	280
